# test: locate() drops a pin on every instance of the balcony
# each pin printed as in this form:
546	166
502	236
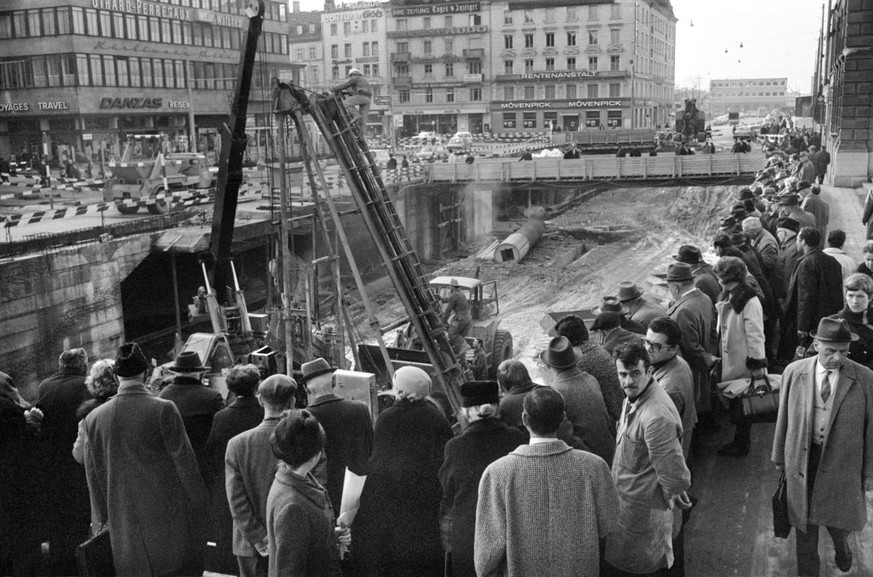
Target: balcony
472	78
474	53
400	56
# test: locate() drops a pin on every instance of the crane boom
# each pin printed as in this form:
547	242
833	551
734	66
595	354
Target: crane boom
233	146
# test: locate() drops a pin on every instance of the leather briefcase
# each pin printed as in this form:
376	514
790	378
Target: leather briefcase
760	403
94	556
781	522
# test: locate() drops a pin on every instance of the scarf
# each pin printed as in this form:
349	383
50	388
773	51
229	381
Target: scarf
8	391
738	297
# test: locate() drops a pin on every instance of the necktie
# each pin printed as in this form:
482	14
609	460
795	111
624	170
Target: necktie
826	387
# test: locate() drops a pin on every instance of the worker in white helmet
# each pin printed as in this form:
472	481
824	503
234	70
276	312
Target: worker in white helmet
359	93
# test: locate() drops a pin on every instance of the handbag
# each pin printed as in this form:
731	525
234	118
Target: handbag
94	556
781	522
760	402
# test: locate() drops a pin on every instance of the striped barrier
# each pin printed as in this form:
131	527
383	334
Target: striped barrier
178	199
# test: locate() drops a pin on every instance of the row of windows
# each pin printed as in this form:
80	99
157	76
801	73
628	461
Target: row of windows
106	24
743	83
593	39
367	49
529	119
402	24
272	10
550	92
530	65
368	25
472	67
368	70
404	96
65	70
747	94
571	15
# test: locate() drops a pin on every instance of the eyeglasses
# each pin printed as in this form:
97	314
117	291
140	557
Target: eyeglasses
654	346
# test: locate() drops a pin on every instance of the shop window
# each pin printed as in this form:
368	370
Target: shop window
550	119
592	118
509	120
529	120
613	118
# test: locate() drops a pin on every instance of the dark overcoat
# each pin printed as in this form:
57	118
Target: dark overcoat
838	498
815	290
243	414
145	483
65	500
397	526
467	456
349	440
198	405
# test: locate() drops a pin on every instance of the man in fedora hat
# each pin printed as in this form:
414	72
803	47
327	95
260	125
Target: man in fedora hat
347	427
586	410
143	477
817	207
824	444
249	468
790	207
608	325
196	402
704	277
693	312
640	309
613	305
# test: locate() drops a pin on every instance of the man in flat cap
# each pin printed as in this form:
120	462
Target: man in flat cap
249	469
143	477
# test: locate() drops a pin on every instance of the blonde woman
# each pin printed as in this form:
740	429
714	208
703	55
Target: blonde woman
102	385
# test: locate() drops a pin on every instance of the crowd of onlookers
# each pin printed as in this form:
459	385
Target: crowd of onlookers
585	473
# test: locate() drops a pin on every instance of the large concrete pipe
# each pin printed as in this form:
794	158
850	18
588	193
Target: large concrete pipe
517	245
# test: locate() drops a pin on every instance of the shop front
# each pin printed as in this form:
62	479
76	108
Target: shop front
559	115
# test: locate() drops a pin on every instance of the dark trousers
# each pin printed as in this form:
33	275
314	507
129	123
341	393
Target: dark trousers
808	561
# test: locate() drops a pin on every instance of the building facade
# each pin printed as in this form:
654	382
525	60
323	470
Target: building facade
79	76
438	66
843	86
306	48
571	66
749	95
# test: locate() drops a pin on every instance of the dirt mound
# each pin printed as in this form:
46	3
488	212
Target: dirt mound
650	224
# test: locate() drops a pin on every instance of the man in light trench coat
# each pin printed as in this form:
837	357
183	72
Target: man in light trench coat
824	444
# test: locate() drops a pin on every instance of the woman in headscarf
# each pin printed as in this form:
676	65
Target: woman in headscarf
19	533
741	339
396	529
102	385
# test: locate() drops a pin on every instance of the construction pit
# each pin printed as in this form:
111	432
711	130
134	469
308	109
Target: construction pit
621	234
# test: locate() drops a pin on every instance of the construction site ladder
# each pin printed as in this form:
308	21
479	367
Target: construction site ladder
385	227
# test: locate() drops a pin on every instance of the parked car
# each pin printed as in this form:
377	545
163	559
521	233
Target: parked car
432	152
460	141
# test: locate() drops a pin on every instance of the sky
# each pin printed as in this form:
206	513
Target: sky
779	39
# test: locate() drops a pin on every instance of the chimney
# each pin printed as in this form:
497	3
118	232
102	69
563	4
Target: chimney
295	6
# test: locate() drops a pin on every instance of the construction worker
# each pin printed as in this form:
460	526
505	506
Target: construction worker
359	93
458	304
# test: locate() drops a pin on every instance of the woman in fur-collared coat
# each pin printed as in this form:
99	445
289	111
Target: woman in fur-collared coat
741	338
